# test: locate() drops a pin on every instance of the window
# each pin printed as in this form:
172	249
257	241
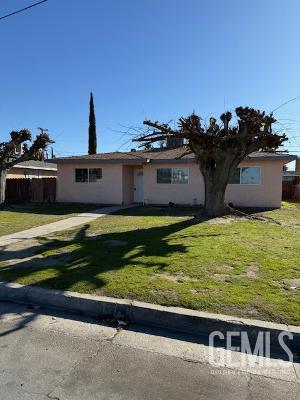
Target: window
172	175
81	175
180	175
164	175
88	175
250	176
246	176
95	174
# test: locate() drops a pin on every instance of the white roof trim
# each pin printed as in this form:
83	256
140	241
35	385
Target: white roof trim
32	167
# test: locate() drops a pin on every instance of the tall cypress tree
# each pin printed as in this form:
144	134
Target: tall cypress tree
92	128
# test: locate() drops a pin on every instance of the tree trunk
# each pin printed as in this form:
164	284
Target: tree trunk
3	174
216	175
214	197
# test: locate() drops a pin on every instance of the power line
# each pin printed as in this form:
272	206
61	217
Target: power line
287	102
23	9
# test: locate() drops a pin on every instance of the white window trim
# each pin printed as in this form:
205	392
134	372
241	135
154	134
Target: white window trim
249	184
88	171
172	183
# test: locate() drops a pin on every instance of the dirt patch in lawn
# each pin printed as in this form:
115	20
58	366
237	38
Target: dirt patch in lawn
252	271
25	248
198	291
166	294
22	245
293	284
220	277
220	221
178	278
27	253
291	224
224	268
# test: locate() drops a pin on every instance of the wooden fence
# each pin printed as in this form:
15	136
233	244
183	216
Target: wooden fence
291	190
37	190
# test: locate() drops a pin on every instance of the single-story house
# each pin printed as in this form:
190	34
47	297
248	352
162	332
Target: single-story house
160	176
33	169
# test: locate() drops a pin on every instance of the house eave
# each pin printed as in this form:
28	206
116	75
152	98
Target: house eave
125	162
287	158
35	168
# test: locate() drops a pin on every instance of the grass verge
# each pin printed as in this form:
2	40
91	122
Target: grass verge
17	217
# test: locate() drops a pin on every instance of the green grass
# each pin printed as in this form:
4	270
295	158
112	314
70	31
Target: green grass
17	217
289	213
231	266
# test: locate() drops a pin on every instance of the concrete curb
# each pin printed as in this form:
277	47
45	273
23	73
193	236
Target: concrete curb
171	318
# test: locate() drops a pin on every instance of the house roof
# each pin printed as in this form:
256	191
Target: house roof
160	155
34	164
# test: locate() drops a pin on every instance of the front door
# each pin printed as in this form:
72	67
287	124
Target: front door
138	196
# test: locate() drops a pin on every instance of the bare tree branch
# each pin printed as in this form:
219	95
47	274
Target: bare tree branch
219	148
11	155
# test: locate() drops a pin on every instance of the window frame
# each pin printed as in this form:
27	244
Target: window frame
173	183
97	181
163	183
248	184
77	169
88	176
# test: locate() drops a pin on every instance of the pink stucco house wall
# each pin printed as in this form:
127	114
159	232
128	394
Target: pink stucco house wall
159	176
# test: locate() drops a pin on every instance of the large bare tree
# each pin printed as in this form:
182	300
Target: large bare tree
11	155
219	148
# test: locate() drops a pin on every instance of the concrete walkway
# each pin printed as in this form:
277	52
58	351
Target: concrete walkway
57	226
62	356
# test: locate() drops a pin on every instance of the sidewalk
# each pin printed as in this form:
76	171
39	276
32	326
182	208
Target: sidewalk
61	225
53	355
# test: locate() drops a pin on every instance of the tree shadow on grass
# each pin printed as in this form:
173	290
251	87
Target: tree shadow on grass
82	259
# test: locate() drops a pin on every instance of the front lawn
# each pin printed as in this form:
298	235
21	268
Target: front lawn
289	213
17	217
159	255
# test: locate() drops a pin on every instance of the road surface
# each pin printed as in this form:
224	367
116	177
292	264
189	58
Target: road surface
50	355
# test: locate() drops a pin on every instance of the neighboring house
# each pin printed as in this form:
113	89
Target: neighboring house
33	169
291	183
159	176
292	176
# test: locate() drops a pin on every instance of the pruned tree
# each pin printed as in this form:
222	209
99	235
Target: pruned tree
219	148
92	128
17	150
